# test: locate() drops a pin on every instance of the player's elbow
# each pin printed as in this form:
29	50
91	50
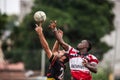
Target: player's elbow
95	70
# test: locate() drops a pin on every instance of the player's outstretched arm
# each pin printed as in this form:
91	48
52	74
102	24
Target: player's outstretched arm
43	41
58	36
56	44
92	67
55	47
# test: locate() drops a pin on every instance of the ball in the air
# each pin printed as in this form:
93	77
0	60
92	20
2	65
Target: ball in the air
39	16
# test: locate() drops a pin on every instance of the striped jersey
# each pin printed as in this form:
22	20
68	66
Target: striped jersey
78	70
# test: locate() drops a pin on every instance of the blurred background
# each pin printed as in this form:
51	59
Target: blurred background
21	54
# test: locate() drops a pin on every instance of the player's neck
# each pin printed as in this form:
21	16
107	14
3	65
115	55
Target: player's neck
83	51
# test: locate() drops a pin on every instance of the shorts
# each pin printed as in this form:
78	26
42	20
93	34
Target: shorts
50	79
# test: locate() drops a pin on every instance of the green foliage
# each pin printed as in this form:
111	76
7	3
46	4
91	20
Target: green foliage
87	19
101	75
3	21
31	58
14	56
67	75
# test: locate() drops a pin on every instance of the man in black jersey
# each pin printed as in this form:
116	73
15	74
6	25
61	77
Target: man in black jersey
57	57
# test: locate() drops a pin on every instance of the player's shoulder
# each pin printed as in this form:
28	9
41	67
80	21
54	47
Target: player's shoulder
72	50
92	56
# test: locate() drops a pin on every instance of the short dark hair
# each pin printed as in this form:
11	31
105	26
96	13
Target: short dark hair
90	45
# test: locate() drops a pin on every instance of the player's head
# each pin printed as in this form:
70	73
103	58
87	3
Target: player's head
63	56
84	44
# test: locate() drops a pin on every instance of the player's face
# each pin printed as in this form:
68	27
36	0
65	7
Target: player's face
83	44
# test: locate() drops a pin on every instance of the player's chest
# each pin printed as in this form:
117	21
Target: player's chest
76	60
77	64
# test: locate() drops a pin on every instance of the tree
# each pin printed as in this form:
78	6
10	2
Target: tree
88	19
3	21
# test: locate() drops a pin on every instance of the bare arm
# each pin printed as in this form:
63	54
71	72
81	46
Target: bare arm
57	35
61	41
92	67
55	47
43	41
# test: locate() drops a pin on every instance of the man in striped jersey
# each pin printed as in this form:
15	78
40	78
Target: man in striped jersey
81	63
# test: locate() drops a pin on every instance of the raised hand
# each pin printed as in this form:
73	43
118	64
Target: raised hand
53	24
38	28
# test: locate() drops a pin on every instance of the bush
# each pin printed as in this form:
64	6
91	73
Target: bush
101	75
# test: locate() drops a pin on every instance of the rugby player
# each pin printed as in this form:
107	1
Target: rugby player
80	61
57	57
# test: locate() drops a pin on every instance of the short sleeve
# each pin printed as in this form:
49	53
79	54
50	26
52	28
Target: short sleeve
92	59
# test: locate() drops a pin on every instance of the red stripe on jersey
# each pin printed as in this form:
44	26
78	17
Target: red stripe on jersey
80	75
93	60
71	51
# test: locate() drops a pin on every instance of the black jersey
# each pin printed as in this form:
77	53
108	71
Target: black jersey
56	68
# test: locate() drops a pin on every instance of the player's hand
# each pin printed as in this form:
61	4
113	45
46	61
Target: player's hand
60	32
85	62
38	28
53	24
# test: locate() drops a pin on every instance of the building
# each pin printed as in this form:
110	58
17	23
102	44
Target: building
25	8
112	57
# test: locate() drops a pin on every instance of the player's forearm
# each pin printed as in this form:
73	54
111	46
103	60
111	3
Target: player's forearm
45	45
60	40
43	41
91	68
